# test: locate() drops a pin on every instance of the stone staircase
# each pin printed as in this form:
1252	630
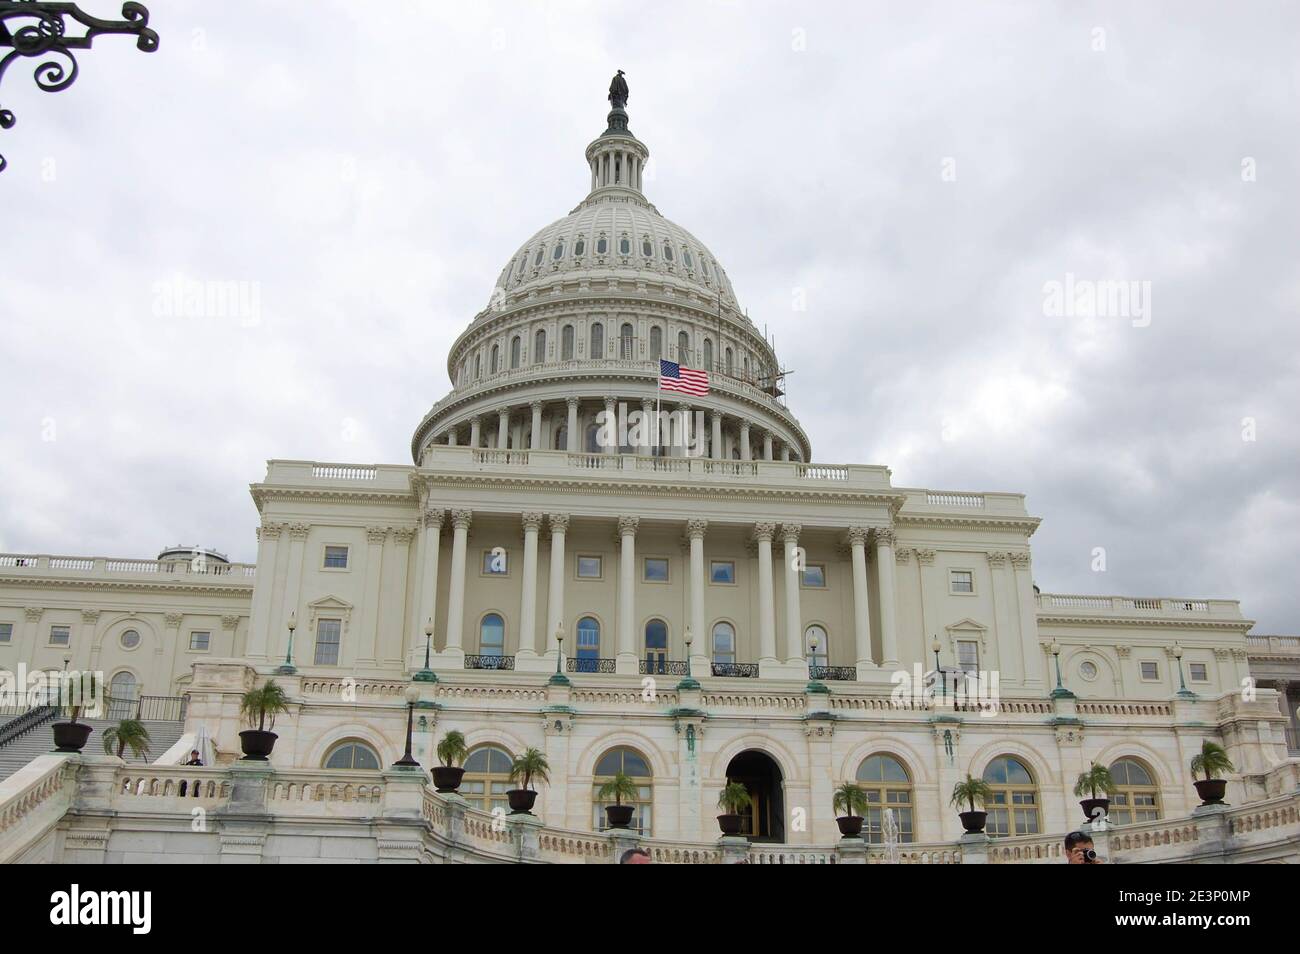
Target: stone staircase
38	740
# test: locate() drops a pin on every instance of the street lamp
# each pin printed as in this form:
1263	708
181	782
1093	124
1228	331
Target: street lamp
814	684
688	681
412	696
288	669
935	646
426	674
1183	691
559	679
1060	692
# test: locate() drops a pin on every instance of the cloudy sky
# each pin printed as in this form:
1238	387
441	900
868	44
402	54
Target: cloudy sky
917	173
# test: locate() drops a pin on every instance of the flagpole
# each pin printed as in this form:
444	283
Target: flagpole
659	381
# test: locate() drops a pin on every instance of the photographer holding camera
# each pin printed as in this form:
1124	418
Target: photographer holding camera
1079	849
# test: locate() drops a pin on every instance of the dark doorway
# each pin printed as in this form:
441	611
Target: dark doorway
759	773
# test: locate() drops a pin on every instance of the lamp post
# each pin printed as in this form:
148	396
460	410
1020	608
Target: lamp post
1060	692
288	668
814	684
1183	691
407	761
688	681
426	674
935	646
559	679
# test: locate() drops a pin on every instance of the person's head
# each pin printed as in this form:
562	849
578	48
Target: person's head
635	856
194	753
1077	844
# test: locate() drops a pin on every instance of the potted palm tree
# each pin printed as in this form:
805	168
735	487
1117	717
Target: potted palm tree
733	800
127	734
850	805
526	767
618	788
970	792
1096	779
1213	761
259	707
451	753
79	693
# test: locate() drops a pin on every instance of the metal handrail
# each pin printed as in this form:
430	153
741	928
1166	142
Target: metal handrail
22	724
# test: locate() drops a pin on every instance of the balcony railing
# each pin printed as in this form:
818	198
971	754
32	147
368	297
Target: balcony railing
828	673
132	567
664	667
489	661
1273	645
736	670
1139	606
587	664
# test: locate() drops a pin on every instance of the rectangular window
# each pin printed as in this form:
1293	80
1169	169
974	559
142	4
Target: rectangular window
961	581
722	571
589	568
814	575
6	632
60	635
495	562
1150	670
656	570
336	558
199	642
328	635
968	655
1198	672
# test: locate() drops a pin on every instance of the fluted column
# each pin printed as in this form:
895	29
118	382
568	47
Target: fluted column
793	572
763	534
885	566
460	521
426	575
682	448
528	586
476	432
785	452
861	604
555	597
610	430
744	440
536	437
695	532
260	625
647	426
767	445
503	428
717	435
627	594
451	437
573	442
367	641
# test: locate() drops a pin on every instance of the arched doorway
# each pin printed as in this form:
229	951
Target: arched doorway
761	776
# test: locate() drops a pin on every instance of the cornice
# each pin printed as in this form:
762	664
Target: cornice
1027	525
243	586
1226	625
264	492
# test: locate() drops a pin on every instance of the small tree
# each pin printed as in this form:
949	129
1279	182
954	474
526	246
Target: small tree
530	765
734	798
850	799
1212	760
129	733
1096	779
618	788
260	706
79	693
971	791
452	749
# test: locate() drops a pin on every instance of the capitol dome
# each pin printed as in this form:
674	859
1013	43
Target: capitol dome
579	318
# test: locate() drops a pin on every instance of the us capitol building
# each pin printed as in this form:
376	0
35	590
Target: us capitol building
727	606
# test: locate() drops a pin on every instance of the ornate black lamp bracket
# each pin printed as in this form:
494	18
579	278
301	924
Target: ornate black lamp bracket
34	29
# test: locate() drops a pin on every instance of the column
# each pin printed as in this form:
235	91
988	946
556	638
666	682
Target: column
573	442
695	532
451	437
259	626
460	521
610	428
717	435
390	645
503	428
885	566
763	534
528	587
647	425
293	588
767	445
626	660
555	598
861	601
1028	603
535	441
368	637
682	449
744	440
785	452
476	432
426	575
793	618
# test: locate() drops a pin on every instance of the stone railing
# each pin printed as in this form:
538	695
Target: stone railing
1138	606
32	801
36	563
1273	645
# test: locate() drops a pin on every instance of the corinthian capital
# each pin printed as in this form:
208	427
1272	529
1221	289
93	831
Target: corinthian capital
532	522
433	518
764	531
461	519
857	536
695	529
627	526
559	522
885	537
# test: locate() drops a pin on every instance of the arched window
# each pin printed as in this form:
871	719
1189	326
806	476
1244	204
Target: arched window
492	635
478	366
510	270
562	437
602	245
539	346
821	655
708	355
541	252
626	341
668	251
656	646
1137	797
1013	809
625	246
597	340
566	343
887	785
647	248
515	348
683	347
593	439
122	689
559	251
724	643
746	367
352	755
656	343
495	363
704	266
634	765
728	361
487	778
579	248
586	650
686	257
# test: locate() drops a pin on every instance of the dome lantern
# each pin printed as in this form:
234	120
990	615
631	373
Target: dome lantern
617	158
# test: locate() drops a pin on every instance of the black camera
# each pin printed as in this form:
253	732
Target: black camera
1089	856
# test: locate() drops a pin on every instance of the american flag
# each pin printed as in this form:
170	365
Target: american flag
673	377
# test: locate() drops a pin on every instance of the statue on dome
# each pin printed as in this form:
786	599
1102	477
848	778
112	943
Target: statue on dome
618	91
